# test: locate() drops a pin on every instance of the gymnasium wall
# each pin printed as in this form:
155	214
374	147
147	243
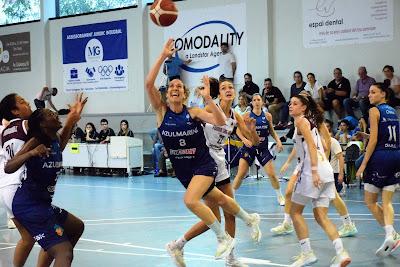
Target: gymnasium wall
275	49
289	54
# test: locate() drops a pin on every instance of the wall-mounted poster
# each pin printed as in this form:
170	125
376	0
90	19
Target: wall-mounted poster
339	22
198	34
95	57
15	52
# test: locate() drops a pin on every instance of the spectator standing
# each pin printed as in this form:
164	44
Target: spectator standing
172	67
227	63
45	95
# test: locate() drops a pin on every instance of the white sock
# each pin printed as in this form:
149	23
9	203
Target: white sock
305	245
217	229
389	230
346	219
243	215
181	242
278	192
231	255
288	219
338	244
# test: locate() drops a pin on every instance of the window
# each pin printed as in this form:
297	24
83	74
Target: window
73	7
14	11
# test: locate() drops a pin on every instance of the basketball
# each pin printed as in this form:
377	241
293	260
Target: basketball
163	12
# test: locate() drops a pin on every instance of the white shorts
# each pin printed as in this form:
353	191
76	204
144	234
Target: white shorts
322	202
373	189
6	198
219	158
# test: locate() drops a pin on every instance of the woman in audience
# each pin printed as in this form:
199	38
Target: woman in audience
380	167
251	151
183	136
124	129
315	89
91	136
242	107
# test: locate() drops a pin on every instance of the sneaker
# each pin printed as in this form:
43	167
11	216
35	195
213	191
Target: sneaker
11	224
255	225
232	262
283	229
176	253
225	246
304	259
396	239
341	260
347	230
386	247
281	200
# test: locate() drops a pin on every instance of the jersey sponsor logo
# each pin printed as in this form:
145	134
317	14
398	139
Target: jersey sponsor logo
390	145
52	164
391	112
179	152
222	130
39	237
51	188
58	229
180	133
260	127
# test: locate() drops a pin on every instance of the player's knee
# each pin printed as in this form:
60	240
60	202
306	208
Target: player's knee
191	203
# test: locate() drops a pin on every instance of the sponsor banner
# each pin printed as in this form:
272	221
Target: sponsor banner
95	57
339	22
198	34
15	52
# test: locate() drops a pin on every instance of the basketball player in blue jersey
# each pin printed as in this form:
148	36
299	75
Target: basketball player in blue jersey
216	137
16	110
380	167
56	230
184	140
264	128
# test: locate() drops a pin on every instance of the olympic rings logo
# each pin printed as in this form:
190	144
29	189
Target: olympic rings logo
105	70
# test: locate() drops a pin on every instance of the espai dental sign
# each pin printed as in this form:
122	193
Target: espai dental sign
198	34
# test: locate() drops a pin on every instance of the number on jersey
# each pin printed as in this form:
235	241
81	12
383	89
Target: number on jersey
182	142
392	133
10	150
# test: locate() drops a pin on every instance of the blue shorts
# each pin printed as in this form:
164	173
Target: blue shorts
43	221
383	168
250	153
185	174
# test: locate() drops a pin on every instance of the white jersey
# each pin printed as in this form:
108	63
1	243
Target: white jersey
2	157
215	140
13	137
217	135
305	184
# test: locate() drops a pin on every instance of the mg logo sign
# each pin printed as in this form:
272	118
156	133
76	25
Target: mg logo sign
94	51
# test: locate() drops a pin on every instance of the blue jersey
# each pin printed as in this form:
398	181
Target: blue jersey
185	142
388	129
41	176
262	128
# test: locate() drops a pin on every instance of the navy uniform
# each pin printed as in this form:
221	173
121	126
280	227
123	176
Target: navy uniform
383	169
32	202
185	143
260	151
